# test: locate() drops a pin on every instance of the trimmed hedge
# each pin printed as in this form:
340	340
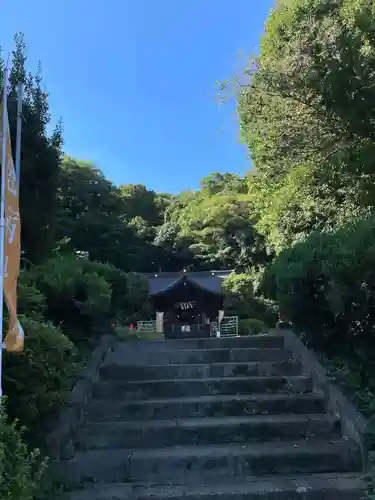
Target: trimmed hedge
251	326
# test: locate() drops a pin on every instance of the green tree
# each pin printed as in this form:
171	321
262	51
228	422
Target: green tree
40	157
306	116
92	215
141	202
224	183
219	230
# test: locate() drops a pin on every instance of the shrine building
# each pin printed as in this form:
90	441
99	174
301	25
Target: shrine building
188	304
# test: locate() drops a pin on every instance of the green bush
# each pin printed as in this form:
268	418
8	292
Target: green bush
38	380
30	300
84	297
97	300
242	301
117	280
129	292
259	307
265	310
77	298
21	469
239	284
251	326
326	287
137	305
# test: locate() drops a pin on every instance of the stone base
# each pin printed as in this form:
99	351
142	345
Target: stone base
177	332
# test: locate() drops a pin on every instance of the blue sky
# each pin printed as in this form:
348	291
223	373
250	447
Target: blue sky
135	81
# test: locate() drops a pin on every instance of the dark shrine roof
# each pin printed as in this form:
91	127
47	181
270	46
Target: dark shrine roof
210	281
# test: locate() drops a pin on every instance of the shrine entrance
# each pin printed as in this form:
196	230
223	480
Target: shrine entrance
188	303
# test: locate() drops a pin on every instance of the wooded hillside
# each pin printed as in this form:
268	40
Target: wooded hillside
298	228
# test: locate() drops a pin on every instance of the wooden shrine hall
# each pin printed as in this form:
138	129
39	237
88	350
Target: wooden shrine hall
188	304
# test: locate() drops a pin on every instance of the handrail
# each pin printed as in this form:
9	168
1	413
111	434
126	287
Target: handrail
229	325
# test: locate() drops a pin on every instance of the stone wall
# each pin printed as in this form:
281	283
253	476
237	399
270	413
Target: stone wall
60	441
354	425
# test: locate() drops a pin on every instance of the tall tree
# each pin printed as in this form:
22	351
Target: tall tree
307	115
40	157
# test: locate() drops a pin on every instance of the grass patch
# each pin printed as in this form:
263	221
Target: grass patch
126	334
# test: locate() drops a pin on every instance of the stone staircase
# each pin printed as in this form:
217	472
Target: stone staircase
228	418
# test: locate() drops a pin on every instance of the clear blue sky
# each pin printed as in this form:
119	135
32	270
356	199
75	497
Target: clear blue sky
135	81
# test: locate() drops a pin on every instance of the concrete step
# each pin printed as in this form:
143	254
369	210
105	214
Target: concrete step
207	406
136	372
202	464
163	356
201	431
248	341
199	387
309	487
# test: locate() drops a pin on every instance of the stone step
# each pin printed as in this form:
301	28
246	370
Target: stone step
123	356
200	464
248	341
309	487
136	372
199	387
207	406
160	433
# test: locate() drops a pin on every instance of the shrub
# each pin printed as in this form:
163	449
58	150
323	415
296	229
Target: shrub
38	380
136	304
241	301
129	292
96	302
85	297
30	300
239	284
78	298
251	326
21	468
326	287
117	280
265	310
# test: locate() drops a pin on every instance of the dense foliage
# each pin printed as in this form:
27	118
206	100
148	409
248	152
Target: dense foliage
306	114
21	469
298	230
325	286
